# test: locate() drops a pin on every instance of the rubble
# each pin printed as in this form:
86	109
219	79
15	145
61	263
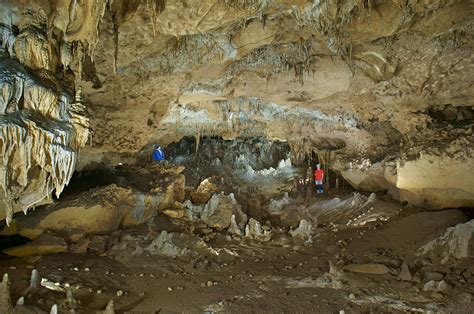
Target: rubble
165	245
437	286
456	243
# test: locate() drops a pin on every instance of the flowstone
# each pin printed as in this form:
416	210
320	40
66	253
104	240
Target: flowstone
42	127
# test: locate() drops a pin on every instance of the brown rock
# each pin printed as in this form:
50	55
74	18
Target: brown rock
218	211
174	213
81	246
405	274
204	192
376	269
98	244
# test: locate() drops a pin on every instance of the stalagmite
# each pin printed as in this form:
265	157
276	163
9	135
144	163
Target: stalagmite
254	230
110	308
234	228
35	280
54	309
6	305
304	231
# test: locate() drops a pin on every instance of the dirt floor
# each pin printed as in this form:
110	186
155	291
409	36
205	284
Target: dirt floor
240	275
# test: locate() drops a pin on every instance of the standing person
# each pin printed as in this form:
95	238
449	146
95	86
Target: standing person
158	154
318	179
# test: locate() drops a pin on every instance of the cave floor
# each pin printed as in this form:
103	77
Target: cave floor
245	275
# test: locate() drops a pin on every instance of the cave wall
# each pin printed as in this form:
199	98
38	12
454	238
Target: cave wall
358	79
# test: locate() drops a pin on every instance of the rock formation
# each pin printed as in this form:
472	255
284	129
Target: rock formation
380	91
42	124
456	243
218	211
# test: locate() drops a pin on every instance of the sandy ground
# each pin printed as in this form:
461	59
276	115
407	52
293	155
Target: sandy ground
279	276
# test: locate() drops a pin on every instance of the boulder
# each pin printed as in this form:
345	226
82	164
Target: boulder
204	192
456	243
98	211
81	246
102	210
44	244
174	212
434	180
437	181
218	211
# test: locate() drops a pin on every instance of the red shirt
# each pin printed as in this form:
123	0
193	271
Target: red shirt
319	174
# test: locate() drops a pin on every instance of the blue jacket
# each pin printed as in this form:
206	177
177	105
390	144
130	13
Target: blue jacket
158	155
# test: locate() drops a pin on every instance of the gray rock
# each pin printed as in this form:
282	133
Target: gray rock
436	286
405	274
457	242
464	297
433	275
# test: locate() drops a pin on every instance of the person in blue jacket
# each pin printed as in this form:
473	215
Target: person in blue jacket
158	154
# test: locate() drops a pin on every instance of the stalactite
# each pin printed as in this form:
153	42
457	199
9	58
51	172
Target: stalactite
198	140
45	132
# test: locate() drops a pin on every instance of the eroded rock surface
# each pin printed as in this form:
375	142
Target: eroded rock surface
135	199
382	85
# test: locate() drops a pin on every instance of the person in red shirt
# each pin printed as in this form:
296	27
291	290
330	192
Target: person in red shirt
318	179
